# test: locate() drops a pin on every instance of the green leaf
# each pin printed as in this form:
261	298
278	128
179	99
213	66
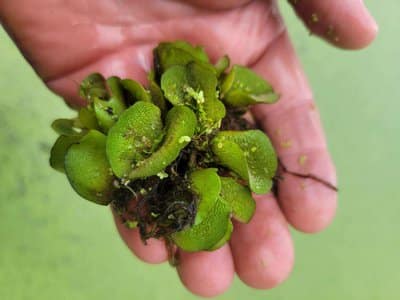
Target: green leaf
180	127
222	64
136	90
65	127
212	110
174	84
207	234
88	170
212	227
195	86
59	150
243	87
249	154
239	198
93	86
167	55
205	182
87	118
108	111
134	137
225	238
157	96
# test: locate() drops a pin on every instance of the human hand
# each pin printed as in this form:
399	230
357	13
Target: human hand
66	40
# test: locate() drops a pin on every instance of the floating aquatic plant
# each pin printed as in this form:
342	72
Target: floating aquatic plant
176	159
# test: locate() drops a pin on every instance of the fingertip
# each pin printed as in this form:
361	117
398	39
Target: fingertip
308	205
345	24
269	271
369	32
263	250
359	33
206	274
153	252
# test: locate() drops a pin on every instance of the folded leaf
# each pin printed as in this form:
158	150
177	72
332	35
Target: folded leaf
65	127
194	86
108	111
222	64
224	239
205	182
239	198
157	96
136	91
174	84
88	170
59	150
87	118
167	55
212	225
242	87
93	86
207	234
134	137
180	127
249	154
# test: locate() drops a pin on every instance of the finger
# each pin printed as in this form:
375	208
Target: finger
294	127
345	23
218	5
262	250
154	252
130	62
206	274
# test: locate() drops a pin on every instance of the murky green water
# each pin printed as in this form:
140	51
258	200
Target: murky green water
53	245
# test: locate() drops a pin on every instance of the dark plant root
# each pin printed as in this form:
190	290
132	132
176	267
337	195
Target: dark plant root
283	169
173	253
234	120
158	207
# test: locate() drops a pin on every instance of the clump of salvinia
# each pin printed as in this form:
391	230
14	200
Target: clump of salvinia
176	158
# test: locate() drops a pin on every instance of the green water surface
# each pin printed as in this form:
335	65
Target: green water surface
54	245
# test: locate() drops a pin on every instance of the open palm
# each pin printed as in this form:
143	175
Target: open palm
66	40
